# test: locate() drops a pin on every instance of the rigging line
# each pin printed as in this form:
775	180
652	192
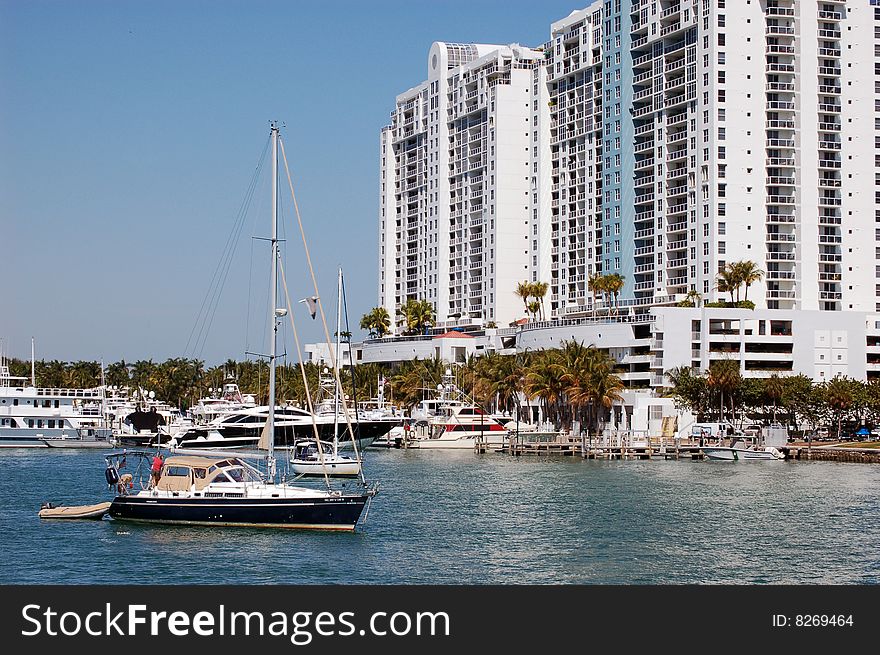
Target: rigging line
247	316
320	304
199	322
242	212
350	360
302	369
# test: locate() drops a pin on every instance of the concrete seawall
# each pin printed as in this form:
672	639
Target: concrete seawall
857	455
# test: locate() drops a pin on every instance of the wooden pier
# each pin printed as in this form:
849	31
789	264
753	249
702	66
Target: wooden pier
599	448
658	447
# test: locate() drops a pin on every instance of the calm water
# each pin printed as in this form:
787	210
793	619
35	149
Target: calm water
460	518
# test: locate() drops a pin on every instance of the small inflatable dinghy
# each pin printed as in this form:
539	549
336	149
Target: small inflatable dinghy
97	511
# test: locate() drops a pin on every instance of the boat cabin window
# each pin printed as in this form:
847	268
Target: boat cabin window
237	474
220	477
177	471
200	473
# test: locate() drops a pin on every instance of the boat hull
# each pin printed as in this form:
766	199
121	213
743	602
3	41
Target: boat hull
332	513
285	436
77	443
739	455
338	469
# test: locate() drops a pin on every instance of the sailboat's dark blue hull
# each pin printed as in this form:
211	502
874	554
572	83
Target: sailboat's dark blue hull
332	513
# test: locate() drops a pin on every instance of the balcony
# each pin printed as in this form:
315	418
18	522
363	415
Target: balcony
779	29
780	68
775	293
780	200
781	181
780	256
830	145
780	143
780	105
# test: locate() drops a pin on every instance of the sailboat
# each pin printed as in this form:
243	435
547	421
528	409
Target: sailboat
308	457
227	490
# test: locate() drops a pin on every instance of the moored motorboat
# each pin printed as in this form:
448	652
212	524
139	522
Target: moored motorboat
742	451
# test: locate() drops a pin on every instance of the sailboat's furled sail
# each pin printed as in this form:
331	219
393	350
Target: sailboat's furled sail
263	443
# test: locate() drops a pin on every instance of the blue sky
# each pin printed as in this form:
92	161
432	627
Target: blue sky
130	131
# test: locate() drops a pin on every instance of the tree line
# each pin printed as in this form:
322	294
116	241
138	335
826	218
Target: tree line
573	383
723	394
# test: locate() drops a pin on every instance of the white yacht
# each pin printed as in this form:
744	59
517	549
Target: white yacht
38	417
292	424
452	421
220	402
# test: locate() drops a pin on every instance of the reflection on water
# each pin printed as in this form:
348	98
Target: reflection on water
461	518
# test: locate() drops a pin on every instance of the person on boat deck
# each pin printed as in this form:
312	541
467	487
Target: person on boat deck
156	468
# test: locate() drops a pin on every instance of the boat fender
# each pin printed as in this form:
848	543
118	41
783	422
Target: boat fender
112	475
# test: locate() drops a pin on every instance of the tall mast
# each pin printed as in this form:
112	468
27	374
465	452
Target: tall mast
336	360
33	377
273	309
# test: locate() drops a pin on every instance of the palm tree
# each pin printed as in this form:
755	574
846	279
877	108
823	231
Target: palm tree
614	285
524	290
724	377
588	375
539	290
534	307
746	273
839	396
417	314
377	321
542	380
596	284
774	387
727	283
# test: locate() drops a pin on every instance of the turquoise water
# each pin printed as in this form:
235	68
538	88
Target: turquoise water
461	518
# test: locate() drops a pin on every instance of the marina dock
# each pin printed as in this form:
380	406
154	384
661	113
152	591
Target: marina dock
660	447
598	448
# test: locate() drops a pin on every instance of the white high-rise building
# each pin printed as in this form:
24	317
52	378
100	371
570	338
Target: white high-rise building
457	183
660	140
